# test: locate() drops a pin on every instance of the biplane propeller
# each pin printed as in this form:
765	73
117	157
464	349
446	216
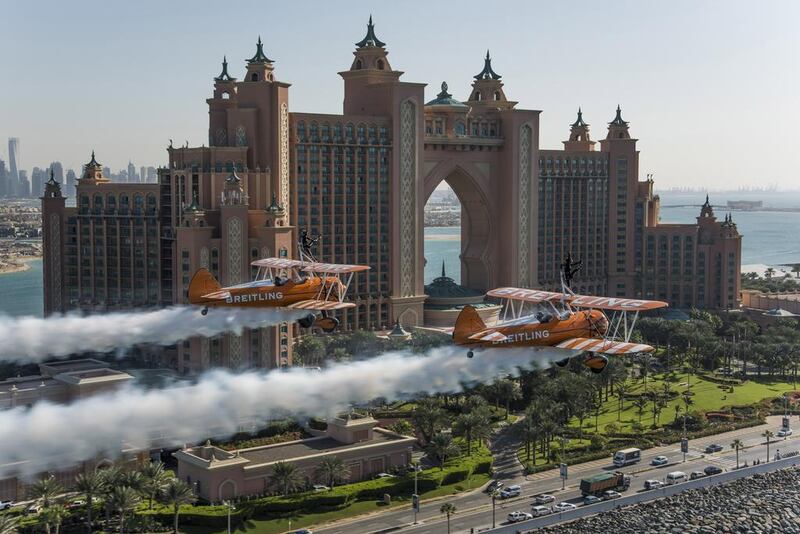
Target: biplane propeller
534	318
283	283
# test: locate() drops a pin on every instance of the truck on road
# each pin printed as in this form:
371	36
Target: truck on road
597	484
627	457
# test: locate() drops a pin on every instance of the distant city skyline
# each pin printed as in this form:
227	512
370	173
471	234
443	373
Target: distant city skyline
712	93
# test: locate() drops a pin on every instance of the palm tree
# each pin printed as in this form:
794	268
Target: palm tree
286	476
45	490
494	495
507	390
641	403
8	524
332	469
442	446
90	484
769	273
428	417
176	492
471	425
124	499
737	444
621	390
154	477
769	435
52	516
449	509
112	478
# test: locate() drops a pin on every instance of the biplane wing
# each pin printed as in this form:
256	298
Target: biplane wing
333	268
603	346
533	296
321	305
614	303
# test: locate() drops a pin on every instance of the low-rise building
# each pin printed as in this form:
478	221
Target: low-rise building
366	450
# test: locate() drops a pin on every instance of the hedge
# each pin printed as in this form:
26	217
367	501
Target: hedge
483	467
454	476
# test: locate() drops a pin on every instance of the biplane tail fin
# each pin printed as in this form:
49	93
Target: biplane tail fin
203	283
467	323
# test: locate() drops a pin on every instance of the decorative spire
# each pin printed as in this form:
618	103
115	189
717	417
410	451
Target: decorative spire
224	76
444	93
193	207
445	99
579	122
52	180
274	207
260	56
370	39
487	73
93	162
618	119
443	273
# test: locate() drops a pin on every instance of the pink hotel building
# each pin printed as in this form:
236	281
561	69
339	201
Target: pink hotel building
360	179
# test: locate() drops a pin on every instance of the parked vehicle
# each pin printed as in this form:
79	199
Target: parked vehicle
714	447
511	491
712	470
319	487
659	460
563	507
611	494
5	505
676	477
515	517
784	432
597	484
543	498
694	475
627	457
591	499
652	484
539	510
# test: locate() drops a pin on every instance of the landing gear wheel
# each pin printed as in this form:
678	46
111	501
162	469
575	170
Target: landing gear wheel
470	354
204	312
562	363
330	324
307	321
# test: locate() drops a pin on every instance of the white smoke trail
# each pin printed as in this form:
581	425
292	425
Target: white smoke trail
33	339
51	436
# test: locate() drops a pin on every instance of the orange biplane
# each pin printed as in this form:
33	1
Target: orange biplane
283	283
534	318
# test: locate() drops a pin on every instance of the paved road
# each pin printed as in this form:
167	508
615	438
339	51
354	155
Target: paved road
474	509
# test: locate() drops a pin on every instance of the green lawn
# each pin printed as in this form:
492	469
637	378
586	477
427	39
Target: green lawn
707	396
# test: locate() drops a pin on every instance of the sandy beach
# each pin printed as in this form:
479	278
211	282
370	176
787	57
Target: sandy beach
17	265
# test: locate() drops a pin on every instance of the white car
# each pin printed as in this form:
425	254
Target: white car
5	505
563	507
515	517
659	460
539	510
784	432
319	487
544	498
652	484
384	475
611	494
511	491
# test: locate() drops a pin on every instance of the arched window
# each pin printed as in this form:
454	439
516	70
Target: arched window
226	95
460	129
380	64
123	201
301	131
478	96
98	201
497	95
269	76
358	64
111	201
254	77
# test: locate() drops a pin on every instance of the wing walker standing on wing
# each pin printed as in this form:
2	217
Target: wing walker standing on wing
304	284
535	318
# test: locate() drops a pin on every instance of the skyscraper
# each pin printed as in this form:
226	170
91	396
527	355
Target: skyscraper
38	178
58	173
71	182
131	172
3	179
13	163
23	187
142	174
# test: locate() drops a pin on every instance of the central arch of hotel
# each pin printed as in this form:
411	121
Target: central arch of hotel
478	218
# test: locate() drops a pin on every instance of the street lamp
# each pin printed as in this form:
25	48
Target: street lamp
230	506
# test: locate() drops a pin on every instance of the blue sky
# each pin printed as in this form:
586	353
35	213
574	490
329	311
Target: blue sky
711	89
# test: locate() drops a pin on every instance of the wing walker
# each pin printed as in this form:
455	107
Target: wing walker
303	284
